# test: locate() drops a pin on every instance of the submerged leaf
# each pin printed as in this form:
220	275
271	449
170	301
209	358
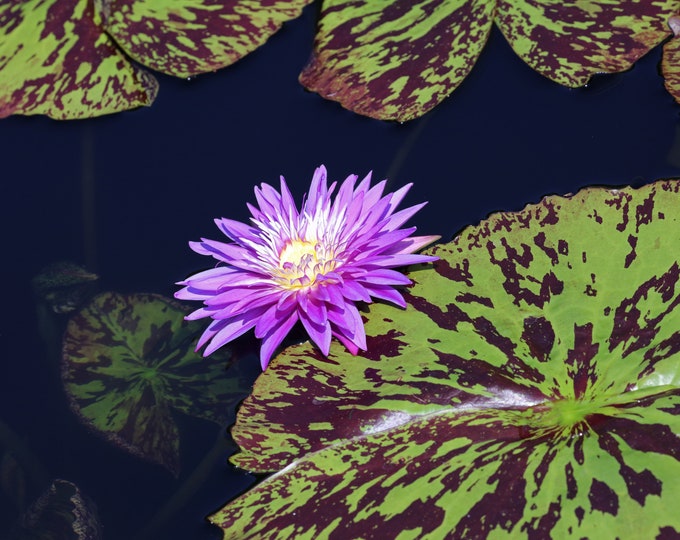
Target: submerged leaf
395	61
128	361
62	512
56	60
568	42
64	286
188	37
530	388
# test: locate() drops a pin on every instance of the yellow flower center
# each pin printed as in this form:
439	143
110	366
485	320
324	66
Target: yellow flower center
302	261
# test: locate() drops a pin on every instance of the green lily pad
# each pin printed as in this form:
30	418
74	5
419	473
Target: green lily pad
529	389
399	59
129	361
56	60
188	37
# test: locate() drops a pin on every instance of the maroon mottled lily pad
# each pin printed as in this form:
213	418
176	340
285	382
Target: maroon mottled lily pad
670	63
56	60
531	388
59	58
188	37
569	42
129	361
397	60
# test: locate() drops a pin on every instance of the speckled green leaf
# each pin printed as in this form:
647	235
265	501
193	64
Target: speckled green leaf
395	60
187	37
56	60
569	42
129	360
530	389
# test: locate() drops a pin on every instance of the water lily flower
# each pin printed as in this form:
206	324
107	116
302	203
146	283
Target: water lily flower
311	265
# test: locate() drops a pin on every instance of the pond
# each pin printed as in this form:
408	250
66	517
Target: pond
121	196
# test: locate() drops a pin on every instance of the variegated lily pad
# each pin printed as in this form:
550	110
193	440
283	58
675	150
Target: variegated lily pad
569	42
188	37
59	58
530	389
397	61
56	60
670	63
129	360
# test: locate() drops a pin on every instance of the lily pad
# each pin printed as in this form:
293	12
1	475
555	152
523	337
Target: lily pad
188	37
56	60
529	389
70	58
397	60
670	63
568	42
129	361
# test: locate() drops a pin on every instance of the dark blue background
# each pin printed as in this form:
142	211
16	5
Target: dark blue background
159	176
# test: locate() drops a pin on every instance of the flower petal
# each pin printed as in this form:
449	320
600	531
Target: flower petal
386	276
348	323
316	311
387	293
274	337
224	335
235	229
354	291
401	217
319	334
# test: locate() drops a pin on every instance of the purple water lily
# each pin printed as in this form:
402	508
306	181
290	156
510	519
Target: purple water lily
309	266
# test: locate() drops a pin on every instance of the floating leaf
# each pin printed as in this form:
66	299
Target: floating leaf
396	60
399	60
56	60
569	42
187	37
670	63
530	389
58	57
62	512
129	360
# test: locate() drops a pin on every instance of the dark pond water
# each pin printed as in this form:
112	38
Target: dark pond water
122	195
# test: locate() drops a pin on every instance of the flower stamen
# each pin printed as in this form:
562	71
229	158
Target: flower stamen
301	262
